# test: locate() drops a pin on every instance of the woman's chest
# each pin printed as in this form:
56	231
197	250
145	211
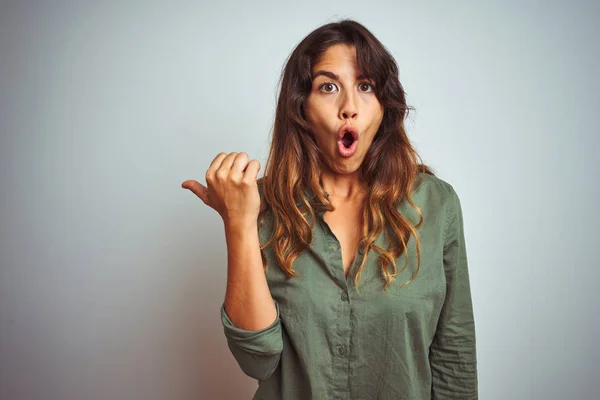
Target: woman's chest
322	295
345	224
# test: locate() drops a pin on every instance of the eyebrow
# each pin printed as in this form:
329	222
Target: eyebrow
331	75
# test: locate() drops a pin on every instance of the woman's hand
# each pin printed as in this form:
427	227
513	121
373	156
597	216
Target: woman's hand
231	188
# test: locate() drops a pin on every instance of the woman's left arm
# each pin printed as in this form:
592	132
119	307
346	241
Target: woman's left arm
452	354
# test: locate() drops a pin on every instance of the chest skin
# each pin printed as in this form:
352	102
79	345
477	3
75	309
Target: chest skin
346	224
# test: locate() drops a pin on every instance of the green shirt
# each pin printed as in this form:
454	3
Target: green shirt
331	342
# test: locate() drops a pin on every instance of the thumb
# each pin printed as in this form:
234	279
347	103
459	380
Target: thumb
197	188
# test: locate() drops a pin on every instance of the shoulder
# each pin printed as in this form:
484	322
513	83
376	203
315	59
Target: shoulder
436	199
434	189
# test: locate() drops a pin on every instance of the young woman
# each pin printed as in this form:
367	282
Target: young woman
347	270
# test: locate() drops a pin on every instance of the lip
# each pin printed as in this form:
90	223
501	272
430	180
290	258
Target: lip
342	149
348	128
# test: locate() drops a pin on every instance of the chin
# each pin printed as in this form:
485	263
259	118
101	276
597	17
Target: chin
348	167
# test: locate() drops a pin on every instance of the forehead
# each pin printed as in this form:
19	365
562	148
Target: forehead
339	56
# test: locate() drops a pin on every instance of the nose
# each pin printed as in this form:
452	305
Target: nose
348	107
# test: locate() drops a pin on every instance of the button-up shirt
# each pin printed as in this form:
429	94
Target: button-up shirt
331	340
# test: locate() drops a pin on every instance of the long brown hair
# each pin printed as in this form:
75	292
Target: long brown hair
390	167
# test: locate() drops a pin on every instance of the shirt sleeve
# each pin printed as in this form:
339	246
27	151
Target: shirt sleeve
256	352
452	354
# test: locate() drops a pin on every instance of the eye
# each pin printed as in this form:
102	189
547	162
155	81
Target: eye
363	84
328	84
331	85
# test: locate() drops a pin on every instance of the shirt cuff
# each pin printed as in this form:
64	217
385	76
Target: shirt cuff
266	341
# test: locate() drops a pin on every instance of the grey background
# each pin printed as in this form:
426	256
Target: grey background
112	276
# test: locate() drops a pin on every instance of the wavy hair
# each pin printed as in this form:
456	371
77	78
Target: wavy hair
390	167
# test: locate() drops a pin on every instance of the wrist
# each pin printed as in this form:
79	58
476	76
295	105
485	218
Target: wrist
240	226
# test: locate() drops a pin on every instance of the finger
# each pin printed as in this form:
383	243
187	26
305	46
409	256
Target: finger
225	168
197	188
239	165
215	165
251	172
218	160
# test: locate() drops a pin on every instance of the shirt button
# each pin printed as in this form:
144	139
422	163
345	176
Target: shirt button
342	350
345	296
335	247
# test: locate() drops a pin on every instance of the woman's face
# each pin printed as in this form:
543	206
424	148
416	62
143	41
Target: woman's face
339	98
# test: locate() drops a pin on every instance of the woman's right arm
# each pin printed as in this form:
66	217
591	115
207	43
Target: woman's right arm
249	314
248	301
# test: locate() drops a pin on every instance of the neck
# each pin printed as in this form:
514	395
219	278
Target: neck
343	187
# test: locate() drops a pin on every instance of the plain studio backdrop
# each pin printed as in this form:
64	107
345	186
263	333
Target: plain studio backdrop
112	275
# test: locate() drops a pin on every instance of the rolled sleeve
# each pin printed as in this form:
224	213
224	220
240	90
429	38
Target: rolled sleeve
257	352
452	354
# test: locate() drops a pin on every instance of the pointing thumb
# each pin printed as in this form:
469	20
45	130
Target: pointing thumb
197	188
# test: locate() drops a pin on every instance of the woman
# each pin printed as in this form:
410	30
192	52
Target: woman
347	270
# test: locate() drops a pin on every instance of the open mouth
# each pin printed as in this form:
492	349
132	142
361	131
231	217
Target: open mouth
347	139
